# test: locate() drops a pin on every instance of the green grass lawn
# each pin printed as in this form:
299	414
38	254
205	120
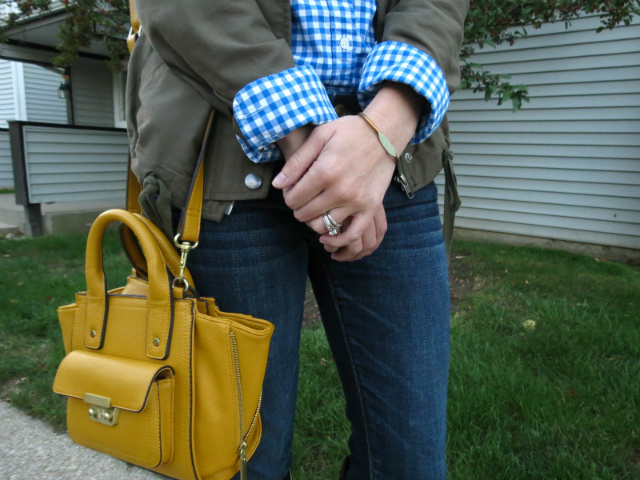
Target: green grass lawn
545	360
557	401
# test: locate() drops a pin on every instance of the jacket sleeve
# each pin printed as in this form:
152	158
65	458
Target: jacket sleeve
224	45
434	26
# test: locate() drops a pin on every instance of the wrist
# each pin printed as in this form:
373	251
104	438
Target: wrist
395	111
382	138
291	142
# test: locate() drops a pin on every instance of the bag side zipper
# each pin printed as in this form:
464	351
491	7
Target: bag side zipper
242	448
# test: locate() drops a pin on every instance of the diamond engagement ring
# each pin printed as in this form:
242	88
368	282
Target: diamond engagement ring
331	224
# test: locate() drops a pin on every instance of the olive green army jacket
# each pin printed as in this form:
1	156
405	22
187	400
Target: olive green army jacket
193	56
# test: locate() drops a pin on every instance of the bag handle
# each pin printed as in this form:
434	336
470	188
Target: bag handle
136	255
159	299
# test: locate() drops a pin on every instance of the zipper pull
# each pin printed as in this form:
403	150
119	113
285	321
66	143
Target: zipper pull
404	184
243	461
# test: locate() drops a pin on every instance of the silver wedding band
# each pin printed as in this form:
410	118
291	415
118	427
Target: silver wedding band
331	224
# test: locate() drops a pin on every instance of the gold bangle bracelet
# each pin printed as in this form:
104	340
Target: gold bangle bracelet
386	143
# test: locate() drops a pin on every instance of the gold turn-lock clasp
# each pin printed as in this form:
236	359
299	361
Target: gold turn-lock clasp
100	409
132	38
185	248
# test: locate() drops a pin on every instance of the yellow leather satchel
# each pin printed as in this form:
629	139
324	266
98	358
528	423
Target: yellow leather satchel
154	374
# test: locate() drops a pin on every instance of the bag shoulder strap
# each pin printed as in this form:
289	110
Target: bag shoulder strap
135	21
189	226
135	26
133	186
451	201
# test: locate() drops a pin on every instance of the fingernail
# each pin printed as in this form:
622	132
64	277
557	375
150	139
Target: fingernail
280	180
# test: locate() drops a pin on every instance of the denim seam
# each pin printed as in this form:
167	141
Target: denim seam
354	370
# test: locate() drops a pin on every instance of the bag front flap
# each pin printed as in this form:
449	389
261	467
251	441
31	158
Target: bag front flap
122	382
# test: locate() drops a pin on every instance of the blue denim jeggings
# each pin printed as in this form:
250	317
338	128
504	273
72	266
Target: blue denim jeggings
386	317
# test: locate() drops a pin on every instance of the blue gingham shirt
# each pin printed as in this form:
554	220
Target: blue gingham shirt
335	52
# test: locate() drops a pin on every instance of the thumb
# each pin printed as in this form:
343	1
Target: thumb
298	163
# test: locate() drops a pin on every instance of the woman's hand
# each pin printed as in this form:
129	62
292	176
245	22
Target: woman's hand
343	169
361	247
290	143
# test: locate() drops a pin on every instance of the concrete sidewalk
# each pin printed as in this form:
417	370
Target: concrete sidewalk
30	450
56	217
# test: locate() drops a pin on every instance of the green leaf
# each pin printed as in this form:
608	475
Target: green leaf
516	103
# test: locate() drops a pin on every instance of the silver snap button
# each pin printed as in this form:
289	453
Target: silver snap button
408	157
345	44
253	181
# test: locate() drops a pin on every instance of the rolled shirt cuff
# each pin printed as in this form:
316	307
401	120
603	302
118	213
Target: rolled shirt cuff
271	107
402	63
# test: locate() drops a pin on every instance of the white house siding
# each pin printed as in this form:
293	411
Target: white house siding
66	164
27	92
7	93
6	169
91	82
7	112
567	166
41	95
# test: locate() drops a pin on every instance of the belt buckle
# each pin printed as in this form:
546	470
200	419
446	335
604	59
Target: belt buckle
341	109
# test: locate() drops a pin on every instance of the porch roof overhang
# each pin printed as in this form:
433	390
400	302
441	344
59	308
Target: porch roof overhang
35	39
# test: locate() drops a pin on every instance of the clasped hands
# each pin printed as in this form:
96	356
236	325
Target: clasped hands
341	167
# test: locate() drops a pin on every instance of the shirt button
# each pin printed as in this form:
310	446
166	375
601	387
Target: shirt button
408	157
345	44
253	181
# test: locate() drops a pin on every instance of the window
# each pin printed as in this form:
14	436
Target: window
119	105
